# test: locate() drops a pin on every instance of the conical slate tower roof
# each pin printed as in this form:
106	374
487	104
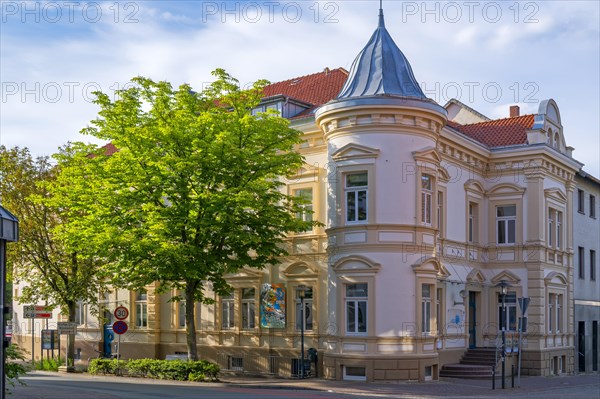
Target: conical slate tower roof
381	69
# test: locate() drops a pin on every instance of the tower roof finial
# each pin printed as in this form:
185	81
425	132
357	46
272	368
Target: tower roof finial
381	21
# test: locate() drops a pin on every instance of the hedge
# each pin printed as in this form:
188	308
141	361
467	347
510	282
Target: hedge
178	370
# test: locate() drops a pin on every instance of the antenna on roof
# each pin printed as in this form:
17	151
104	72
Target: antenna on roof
381	21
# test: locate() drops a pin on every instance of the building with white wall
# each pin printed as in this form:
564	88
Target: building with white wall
426	210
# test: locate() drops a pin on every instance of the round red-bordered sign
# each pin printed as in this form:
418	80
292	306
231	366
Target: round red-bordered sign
120	327
121	313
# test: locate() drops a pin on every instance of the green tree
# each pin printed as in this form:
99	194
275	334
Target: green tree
55	270
193	191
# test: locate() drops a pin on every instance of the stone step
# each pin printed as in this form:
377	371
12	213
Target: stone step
465	371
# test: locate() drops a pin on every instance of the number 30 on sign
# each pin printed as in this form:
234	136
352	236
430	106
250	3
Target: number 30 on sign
121	313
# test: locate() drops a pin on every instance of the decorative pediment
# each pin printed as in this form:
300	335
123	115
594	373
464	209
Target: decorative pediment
556	194
475	276
355	151
474	186
507	276
505	189
555	278
428	155
300	270
244	274
430	266
355	264
305	170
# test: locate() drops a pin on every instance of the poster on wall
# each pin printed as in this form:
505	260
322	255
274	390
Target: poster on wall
272	306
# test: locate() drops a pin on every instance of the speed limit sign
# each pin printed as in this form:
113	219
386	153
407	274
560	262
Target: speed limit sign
121	313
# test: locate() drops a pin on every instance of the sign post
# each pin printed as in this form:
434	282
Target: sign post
35	312
119	328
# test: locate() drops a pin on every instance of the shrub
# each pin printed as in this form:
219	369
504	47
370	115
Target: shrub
14	366
49	364
105	366
178	370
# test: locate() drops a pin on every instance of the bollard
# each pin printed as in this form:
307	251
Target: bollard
493	378
512	375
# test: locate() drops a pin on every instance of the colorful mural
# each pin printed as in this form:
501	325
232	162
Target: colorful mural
272	306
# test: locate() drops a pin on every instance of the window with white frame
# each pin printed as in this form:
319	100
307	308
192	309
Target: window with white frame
227	312
308	306
554	228
507	319
356	188
506	224
555	313
472	229
181	322
248	308
80	312
592	206
438	311
306	195
426	308
440	213
141	309
356	302
426	199
581	261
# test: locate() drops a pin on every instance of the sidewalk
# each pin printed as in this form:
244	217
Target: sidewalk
579	386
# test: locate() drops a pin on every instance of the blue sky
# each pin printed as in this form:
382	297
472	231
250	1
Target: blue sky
488	54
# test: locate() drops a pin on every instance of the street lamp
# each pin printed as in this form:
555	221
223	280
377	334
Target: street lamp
503	284
301	294
9	232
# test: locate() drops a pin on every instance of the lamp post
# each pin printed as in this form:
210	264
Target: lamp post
503	291
301	294
9	232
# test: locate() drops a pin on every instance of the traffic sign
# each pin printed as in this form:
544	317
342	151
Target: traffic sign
66	328
37	312
120	327
121	313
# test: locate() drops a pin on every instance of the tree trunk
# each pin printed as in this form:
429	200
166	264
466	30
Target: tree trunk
70	337
190	320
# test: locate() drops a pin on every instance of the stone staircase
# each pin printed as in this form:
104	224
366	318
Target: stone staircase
476	363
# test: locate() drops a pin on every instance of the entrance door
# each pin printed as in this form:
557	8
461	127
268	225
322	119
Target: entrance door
472	319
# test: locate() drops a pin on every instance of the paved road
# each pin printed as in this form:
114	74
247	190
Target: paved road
43	385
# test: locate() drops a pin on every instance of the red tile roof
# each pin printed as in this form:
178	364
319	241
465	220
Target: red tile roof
317	89
499	132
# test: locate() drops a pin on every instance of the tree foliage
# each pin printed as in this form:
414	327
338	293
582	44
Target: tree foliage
54	269
193	191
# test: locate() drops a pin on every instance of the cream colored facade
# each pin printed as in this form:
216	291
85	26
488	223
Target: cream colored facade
421	224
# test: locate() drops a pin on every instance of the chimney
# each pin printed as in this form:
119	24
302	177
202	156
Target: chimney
326	70
514	111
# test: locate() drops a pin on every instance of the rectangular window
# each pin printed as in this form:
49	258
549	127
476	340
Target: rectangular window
227	312
181	323
580	201
426	195
438	311
558	230
356	197
248	308
559	318
507	320
581	262
592	265
592	206
141	309
306	195
356	308
551	226
506	224
550	312
440	213
308	317
595	345
426	308
473	220
80	313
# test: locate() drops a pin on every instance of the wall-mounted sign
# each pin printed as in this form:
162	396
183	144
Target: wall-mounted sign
272	306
